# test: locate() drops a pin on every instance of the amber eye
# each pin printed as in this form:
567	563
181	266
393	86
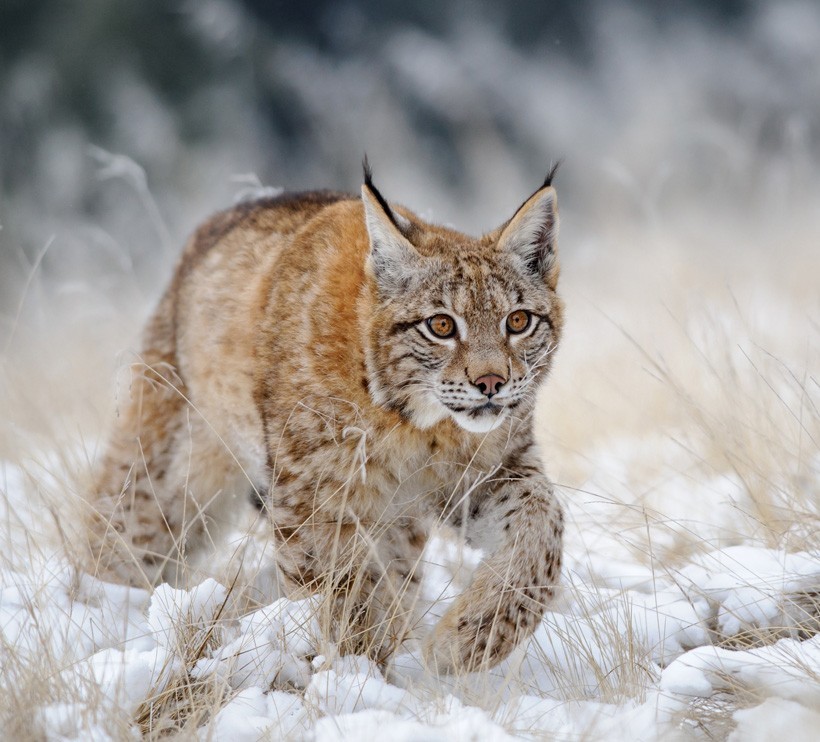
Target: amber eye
442	325
518	321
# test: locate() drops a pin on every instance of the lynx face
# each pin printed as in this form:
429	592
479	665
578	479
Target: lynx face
466	327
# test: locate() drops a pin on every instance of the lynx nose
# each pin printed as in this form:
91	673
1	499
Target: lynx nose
489	384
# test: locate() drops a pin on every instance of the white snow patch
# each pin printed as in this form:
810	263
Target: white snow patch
254	714
269	645
174	614
776	719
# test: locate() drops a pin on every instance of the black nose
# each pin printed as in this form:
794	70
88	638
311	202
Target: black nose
489	384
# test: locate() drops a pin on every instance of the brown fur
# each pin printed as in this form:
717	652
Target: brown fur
291	352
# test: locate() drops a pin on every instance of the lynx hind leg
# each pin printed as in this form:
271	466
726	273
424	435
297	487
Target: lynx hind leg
514	584
132	521
168	489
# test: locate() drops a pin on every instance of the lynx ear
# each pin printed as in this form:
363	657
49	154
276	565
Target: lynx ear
392	256
532	233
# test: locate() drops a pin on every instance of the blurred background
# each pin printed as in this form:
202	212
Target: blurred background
689	134
461	106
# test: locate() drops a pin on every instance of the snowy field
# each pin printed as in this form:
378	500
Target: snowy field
681	424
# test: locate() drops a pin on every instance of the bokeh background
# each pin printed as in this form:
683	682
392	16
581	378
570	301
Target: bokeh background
461	106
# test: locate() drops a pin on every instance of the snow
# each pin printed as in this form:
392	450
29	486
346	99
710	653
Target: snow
618	624
776	718
749	584
786	669
252	714
269	645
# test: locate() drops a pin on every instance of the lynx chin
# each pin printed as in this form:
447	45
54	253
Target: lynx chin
363	376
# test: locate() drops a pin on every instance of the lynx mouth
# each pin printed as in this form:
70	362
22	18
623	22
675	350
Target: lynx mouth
480	419
487	407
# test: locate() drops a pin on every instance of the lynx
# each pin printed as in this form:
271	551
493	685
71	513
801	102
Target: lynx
364	376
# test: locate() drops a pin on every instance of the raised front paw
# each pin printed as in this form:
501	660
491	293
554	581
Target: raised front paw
473	637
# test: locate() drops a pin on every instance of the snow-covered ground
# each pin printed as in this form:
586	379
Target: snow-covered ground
720	640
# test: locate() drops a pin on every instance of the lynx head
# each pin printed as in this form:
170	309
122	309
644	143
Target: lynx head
461	327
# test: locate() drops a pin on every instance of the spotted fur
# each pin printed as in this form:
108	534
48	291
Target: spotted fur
293	349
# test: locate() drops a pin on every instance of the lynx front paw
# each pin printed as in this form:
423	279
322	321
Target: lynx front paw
467	641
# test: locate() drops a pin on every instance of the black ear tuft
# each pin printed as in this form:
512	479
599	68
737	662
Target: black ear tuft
368	181
550	174
368	172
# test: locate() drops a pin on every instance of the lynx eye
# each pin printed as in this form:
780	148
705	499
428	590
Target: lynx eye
518	321
442	325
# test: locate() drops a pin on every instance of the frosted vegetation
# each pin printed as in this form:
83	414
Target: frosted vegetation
681	424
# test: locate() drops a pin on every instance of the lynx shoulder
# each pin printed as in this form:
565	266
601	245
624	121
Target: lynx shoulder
367	375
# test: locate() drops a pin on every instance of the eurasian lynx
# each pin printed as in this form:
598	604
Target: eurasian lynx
367	375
